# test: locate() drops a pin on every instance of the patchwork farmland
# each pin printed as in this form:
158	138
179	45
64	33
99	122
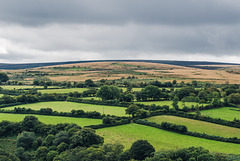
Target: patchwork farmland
97	106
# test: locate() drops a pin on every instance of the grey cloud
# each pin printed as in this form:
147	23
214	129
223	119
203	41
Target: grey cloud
125	41
29	12
64	30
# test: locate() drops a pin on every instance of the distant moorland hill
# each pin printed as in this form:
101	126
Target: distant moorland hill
196	64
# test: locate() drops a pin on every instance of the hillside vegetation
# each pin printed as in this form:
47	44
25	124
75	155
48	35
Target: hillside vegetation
120	111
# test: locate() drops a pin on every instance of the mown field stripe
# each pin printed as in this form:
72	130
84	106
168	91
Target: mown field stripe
223	113
161	139
61	106
51	119
198	126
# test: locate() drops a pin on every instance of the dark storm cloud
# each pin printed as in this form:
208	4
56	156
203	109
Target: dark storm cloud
63	30
32	12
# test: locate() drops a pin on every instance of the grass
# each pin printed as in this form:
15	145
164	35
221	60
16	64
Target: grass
162	140
9	143
71	68
1	95
61	106
126	65
169	103
21	87
223	113
51	119
199	126
67	90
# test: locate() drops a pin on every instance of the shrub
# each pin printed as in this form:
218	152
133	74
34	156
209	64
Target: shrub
25	140
141	149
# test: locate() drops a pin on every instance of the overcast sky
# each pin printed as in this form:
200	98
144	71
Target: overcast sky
72	30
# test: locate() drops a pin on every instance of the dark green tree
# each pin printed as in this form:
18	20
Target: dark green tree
226	101
85	137
62	147
185	91
216	102
30	123
25	140
5	99
205	157
3	77
141	149
109	92
194	83
234	98
127	97
89	83
198	113
60	137
174	82
51	155
202	95
41	153
22	154
175	103
152	92
112	151
132	110
49	140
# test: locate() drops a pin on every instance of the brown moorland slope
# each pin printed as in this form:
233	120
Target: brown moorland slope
117	70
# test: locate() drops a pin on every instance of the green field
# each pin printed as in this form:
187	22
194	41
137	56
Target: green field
199	126
20	87
62	106
67	90
223	113
169	103
51	119
162	140
25	87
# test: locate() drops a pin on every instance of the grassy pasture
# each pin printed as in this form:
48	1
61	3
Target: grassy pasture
67	90
51	119
199	126
223	113
22	87
162	140
61	106
169	103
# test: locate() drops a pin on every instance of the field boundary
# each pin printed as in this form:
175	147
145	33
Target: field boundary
177	129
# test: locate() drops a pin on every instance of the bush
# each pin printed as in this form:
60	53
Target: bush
60	137
51	155
42	152
25	140
30	123
141	149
